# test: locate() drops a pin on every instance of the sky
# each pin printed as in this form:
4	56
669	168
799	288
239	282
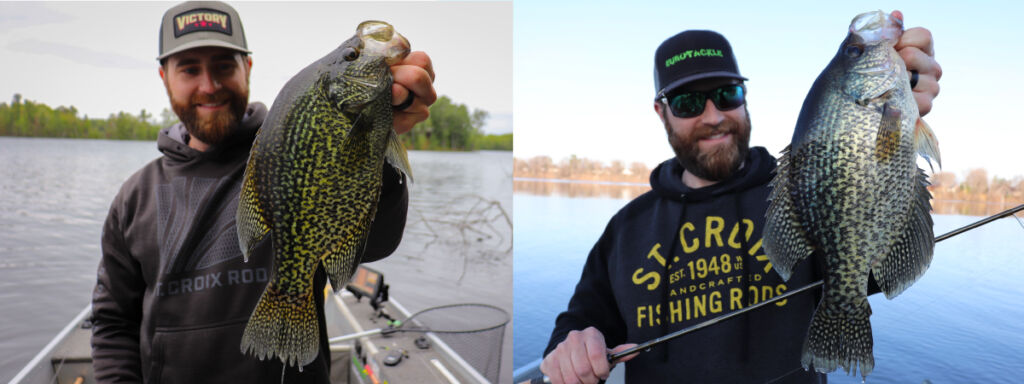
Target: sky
584	73
100	57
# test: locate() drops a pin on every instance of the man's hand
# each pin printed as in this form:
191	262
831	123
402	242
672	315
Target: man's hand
918	52
415	74
581	358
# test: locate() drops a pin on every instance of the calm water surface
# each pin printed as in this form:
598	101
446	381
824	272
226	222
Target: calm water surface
961	323
54	196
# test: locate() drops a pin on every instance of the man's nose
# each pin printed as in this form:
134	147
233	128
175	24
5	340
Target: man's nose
711	116
208	83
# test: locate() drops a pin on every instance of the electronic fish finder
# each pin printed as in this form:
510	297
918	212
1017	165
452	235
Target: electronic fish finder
368	283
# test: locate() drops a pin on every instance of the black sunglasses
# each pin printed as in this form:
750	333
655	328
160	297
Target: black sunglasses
690	104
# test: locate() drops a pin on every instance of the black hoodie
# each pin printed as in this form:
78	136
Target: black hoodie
173	294
677	256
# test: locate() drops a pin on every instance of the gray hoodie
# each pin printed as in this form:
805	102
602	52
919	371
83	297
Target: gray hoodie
172	293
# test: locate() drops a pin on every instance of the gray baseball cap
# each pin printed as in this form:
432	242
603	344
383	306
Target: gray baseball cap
201	24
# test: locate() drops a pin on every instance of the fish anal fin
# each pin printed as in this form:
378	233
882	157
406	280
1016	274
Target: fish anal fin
397	156
785	241
250	219
911	255
887	143
340	263
926	144
283	326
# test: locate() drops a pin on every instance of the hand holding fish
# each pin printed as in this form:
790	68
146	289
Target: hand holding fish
581	358
414	76
918	51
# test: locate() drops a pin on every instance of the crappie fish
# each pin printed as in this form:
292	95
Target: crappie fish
313	181
848	188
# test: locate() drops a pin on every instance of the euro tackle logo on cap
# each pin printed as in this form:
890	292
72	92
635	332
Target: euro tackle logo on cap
202	20
692	55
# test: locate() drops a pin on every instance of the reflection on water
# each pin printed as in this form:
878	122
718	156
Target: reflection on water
970	208
573	188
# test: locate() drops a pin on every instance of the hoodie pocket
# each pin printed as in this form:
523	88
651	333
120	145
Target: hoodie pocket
209	354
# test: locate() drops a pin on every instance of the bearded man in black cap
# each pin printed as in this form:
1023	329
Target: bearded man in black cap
690	249
173	294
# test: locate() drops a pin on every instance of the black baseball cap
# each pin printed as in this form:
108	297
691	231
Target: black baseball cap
197	24
693	55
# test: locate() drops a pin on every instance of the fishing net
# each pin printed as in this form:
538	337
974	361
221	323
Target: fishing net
474	331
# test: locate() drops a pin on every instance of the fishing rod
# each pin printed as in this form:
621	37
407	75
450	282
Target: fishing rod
651	343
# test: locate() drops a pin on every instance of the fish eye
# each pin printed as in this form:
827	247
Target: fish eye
854	50
349	53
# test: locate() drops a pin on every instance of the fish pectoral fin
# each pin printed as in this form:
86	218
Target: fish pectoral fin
397	156
911	255
887	143
926	143
249	220
785	242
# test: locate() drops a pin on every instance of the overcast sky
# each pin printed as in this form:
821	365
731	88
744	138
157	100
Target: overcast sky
101	57
584	82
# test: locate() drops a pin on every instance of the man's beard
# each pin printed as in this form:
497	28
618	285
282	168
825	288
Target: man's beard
217	128
721	161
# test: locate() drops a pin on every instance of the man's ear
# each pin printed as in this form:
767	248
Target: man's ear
161	69
657	109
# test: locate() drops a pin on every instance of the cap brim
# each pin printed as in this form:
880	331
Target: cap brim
706	75
203	43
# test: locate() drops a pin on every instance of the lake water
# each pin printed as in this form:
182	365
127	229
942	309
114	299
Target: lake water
54	196
960	323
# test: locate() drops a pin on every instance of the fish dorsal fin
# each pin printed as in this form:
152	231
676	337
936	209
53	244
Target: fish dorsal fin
396	155
785	241
926	143
250	219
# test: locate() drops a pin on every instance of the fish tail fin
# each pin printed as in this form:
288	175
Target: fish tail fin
282	326
926	143
397	156
838	339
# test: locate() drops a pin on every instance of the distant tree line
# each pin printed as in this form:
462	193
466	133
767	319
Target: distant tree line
28	118
579	168
450	127
453	127
977	186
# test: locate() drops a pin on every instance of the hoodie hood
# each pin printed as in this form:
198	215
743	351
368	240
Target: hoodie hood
173	140
667	178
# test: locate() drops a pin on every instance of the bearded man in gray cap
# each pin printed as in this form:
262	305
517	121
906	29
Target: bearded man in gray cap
689	250
173	294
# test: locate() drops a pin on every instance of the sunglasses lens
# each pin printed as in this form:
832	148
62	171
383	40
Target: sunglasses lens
728	98
690	104
687	104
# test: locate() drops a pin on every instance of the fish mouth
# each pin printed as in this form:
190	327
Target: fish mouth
382	38
877	26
